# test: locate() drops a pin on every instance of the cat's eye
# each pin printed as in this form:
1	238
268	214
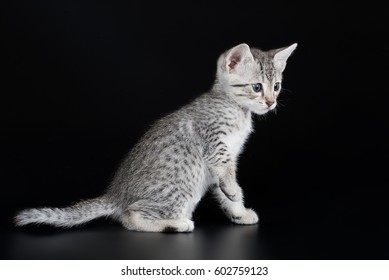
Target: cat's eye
277	86
257	87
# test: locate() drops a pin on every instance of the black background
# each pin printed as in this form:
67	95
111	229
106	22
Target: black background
82	80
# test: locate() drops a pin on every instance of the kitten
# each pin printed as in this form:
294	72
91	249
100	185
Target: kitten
187	153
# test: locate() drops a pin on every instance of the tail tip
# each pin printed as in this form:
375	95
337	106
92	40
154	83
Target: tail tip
20	219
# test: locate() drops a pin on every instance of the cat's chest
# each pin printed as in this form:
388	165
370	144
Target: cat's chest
237	137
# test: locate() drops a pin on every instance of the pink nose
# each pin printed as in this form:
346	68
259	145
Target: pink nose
269	102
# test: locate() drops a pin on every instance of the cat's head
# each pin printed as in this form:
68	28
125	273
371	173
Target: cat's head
253	77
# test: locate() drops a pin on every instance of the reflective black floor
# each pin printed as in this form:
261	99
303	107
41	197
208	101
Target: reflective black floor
101	240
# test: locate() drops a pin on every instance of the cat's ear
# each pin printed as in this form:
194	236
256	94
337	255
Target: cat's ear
238	55
281	56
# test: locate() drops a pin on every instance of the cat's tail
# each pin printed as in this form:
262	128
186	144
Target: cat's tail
70	216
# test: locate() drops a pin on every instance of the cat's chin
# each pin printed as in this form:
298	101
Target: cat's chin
259	110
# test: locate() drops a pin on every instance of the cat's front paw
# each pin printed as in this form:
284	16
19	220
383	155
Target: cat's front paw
248	217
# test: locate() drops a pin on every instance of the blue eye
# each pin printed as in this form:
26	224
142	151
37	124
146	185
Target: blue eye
257	87
277	86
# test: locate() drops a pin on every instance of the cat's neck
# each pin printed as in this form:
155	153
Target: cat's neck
219	91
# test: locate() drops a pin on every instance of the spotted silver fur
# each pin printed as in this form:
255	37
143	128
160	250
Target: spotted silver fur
186	153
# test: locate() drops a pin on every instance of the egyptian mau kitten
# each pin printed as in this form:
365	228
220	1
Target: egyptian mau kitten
187	153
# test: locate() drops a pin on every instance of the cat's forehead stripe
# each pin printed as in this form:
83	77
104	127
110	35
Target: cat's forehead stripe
269	70
266	65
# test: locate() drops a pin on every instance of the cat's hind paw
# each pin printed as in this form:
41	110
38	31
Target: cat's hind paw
184	225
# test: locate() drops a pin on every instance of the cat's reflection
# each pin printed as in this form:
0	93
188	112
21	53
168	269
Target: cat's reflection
218	242
235	242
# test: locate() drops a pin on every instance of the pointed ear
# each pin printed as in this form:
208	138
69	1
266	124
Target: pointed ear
281	56
238	55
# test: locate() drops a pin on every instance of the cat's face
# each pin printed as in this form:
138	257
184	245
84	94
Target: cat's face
253	77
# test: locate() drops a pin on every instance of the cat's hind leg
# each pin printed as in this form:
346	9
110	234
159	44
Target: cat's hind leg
144	216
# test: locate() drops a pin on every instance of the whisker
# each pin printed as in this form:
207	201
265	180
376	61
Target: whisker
285	89
279	102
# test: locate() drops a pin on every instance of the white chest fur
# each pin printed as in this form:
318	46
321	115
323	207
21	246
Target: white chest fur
236	139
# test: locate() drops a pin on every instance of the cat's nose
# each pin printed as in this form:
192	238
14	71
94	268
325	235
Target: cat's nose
270	102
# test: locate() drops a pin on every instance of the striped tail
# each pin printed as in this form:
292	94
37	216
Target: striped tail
76	214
